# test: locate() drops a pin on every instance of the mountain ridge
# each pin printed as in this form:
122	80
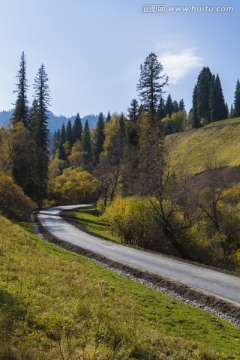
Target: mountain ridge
55	121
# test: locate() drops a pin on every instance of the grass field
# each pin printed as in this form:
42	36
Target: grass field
57	305
210	147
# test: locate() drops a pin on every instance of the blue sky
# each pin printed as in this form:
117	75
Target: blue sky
92	50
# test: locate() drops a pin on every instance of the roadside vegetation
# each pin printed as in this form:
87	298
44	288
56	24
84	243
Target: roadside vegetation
57	305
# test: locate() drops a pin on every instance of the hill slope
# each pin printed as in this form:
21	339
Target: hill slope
214	146
57	305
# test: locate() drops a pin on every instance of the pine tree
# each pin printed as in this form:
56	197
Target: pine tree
87	147
195	118
69	133
41	133
237	100
77	129
99	138
56	141
133	111
203	91
109	117
169	108
122	126
63	134
21	137
21	106
161	112
151	84
181	105
217	106
175	106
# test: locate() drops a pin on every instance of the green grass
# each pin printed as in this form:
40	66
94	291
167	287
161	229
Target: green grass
224	122
91	220
58	305
209	147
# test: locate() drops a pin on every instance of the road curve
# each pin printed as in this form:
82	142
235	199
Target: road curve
214	282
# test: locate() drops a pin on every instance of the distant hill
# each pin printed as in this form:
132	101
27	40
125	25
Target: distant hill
55	122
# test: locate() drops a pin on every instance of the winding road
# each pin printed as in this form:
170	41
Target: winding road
211	281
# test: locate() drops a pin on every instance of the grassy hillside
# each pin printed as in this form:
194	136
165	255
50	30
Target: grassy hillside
215	145
57	305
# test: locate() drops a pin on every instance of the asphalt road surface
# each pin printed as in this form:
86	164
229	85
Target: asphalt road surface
214	282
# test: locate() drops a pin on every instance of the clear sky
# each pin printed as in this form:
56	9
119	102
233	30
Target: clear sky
92	49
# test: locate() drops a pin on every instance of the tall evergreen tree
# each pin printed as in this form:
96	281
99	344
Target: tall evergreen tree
87	147
202	110
69	133
169	108
217	106
41	133
161	112
21	106
21	137
77	129
195	118
63	137
56	141
181	105
175	106
133	110
99	138
109	117
237	100
151	84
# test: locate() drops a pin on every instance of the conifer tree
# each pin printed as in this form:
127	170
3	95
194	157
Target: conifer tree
151	84
21	106
21	137
99	138
202	110
181	105
41	133
69	133
109	117
133	110
237	100
63	134
87	147
195	118
161	112
217	106
77	129
169	108
175	106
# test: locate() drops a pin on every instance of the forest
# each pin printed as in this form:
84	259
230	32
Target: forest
124	166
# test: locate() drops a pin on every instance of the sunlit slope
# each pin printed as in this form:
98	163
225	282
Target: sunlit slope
213	146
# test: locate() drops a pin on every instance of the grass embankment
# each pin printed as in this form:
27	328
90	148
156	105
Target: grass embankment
210	147
92	222
57	305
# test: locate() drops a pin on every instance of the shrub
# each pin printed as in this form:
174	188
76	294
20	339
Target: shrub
75	186
13	201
